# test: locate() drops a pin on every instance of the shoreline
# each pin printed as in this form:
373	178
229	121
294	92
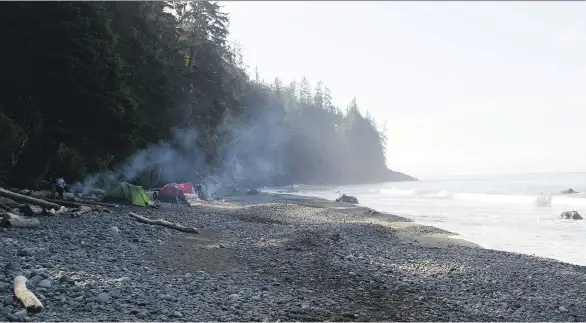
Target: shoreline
409	230
272	257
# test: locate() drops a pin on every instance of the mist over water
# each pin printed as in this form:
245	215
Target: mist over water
504	212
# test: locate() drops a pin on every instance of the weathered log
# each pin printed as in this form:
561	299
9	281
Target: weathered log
82	209
70	203
25	296
163	223
4	207
28	199
13	220
84	201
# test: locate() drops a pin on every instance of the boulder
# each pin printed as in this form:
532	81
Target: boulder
253	192
568	191
571	215
347	199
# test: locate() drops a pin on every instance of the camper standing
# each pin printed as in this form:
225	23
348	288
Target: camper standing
60	187
177	192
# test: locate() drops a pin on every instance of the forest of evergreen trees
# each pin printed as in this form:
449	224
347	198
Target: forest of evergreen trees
135	88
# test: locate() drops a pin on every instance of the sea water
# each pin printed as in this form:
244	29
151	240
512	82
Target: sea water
518	213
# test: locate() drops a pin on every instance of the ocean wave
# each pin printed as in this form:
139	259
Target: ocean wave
420	193
543	200
539	200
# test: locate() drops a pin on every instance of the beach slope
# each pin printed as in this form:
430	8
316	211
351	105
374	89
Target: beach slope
278	257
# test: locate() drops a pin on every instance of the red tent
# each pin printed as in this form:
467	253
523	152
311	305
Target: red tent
170	191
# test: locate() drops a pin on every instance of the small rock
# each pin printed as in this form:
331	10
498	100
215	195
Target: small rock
142	316
21	313
234	297
10	266
25	252
8	300
124	279
64	279
45	283
563	309
115	229
176	314
103	297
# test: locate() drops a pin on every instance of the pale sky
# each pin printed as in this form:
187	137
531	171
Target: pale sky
464	87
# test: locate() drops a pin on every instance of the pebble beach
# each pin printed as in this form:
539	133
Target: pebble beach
272	257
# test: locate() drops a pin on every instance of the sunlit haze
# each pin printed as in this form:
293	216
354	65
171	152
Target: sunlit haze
464	87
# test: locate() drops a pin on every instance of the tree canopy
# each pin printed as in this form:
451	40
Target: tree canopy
135	87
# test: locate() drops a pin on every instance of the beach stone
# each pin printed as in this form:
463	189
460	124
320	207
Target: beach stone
103	298
11	266
21	313
25	252
8	300
64	279
44	283
176	314
115	230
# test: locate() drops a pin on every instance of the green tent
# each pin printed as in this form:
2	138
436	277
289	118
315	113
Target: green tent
133	194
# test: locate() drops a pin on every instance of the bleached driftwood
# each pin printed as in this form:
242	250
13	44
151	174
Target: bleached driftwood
28	199
8	219
4	207
25	296
163	223
82	209
78	203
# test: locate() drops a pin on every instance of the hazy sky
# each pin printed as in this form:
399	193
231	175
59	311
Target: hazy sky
465	87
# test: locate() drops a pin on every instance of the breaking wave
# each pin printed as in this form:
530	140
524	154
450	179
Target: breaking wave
541	200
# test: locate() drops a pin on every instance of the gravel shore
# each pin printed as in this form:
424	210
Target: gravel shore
275	257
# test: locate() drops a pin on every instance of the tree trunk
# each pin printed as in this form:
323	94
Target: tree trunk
34	161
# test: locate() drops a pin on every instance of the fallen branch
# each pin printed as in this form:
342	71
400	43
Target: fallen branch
4	207
28	199
163	223
70	203
82	209
25	296
13	220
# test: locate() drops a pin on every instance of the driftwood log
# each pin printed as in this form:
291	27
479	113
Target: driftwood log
70	203
25	296
4	207
8	219
79	202
82	209
28	199
163	223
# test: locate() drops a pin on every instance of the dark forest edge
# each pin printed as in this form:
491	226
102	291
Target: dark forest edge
107	91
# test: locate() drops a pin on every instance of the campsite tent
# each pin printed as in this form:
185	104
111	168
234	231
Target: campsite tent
133	194
169	191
